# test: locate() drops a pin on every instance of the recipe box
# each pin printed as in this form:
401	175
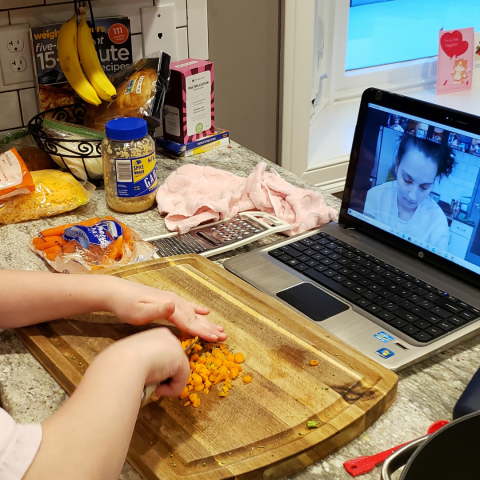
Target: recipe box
189	102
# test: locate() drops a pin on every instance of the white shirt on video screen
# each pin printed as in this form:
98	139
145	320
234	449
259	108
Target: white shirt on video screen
428	224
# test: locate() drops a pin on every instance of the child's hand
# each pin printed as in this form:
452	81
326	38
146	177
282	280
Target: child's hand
162	356
139	304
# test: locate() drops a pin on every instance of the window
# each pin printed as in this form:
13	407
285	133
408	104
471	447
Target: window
389	44
380	31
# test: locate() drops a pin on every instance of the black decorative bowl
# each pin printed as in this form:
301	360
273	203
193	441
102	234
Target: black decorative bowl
82	158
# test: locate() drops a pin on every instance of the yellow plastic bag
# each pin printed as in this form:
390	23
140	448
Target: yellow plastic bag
55	192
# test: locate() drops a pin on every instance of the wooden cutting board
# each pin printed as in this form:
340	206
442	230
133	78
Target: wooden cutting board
259	430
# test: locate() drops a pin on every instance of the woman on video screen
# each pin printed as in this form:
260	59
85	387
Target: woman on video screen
405	204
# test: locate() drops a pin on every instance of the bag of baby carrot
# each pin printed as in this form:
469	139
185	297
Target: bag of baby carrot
94	244
15	179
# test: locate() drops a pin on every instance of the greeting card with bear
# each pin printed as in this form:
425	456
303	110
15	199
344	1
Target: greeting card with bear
455	60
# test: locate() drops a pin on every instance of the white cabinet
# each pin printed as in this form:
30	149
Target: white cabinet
460	234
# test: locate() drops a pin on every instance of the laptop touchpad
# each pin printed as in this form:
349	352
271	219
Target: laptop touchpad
313	302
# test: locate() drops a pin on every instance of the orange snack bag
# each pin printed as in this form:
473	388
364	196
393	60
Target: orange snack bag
15	179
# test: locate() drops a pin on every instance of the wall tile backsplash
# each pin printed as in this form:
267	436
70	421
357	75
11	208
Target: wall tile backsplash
11	115
18	102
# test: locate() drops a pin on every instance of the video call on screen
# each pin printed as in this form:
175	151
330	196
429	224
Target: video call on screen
455	196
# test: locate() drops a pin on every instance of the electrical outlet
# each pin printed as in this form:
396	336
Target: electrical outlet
15	54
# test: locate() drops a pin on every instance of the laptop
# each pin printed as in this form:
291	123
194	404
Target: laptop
398	276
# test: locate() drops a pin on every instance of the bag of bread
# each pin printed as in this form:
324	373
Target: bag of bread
141	89
93	244
55	192
134	95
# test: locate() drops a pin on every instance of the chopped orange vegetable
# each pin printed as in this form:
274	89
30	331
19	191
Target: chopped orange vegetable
192	397
313	362
239	358
212	367
247	379
196	379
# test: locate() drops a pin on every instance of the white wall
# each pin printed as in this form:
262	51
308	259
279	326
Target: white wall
18	102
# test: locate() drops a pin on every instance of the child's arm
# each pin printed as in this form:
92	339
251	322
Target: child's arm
88	437
27	298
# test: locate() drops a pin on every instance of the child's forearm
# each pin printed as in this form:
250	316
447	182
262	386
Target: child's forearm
90	434
29	297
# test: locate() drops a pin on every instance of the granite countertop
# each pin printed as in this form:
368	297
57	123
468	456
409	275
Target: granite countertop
427	391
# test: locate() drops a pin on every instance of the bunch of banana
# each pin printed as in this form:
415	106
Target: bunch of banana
80	64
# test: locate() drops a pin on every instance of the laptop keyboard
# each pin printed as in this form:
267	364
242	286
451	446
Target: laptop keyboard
416	308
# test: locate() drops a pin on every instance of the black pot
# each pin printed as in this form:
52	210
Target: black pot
451	453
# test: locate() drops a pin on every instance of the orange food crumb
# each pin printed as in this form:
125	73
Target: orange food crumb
247	379
313	362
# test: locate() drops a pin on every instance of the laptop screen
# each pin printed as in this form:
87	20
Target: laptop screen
418	179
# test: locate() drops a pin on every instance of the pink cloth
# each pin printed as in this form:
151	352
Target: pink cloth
193	195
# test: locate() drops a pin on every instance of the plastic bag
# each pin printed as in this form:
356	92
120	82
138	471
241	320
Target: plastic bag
33	156
94	244
15	179
81	145
141	89
55	192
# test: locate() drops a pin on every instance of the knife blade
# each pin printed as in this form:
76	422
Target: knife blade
151	387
